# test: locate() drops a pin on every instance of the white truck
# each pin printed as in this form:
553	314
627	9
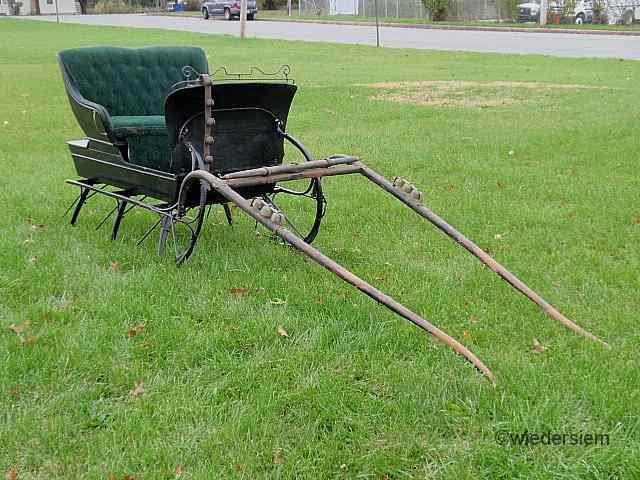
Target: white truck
622	11
582	11
616	11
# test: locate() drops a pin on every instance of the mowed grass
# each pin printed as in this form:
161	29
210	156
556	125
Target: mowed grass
548	183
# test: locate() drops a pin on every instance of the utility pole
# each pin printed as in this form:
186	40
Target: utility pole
377	25
543	12
243	18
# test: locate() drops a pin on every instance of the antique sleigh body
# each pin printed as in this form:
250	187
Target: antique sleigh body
164	135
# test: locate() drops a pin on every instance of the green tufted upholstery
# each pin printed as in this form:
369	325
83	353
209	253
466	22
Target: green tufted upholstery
131	85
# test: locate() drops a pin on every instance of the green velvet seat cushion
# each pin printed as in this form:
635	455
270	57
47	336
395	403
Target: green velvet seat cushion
125	125
132	84
151	150
130	81
146	139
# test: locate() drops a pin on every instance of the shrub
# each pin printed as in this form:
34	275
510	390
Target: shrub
437	8
568	8
111	6
509	8
600	12
192	5
272	4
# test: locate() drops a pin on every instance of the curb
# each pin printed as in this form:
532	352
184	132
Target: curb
471	28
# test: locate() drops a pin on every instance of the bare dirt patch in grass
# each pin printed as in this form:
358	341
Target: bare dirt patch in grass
467	93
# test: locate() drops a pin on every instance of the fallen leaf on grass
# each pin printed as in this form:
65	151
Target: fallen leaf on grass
21	328
178	471
15	392
500	185
115	267
451	188
239	467
239	291
636	219
135	330
138	389
12	474
538	347
29	340
278	457
277	301
474	319
36	227
466	334
282	332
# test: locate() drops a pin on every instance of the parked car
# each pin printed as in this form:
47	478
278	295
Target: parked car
529	12
228	9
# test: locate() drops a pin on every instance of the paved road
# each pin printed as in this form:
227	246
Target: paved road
557	44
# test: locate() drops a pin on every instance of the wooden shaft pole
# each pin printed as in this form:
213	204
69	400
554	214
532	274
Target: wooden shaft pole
243	18
221	187
483	256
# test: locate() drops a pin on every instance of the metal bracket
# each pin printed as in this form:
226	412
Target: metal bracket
209	121
401	183
268	211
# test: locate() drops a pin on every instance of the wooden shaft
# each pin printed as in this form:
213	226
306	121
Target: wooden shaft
283	177
474	249
291	168
224	189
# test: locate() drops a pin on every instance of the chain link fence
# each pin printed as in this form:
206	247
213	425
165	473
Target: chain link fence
457	9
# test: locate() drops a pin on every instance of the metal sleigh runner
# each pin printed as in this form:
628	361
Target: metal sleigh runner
214	140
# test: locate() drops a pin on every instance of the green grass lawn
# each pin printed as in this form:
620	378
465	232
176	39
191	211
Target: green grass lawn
544	177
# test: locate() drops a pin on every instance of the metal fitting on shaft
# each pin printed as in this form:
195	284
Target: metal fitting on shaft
400	183
278	218
266	211
258	203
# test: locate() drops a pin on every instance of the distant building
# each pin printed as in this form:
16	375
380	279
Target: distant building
47	7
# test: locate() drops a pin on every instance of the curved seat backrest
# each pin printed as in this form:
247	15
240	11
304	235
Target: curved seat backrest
129	81
245	114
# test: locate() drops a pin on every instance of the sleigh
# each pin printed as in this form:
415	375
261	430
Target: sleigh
165	135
